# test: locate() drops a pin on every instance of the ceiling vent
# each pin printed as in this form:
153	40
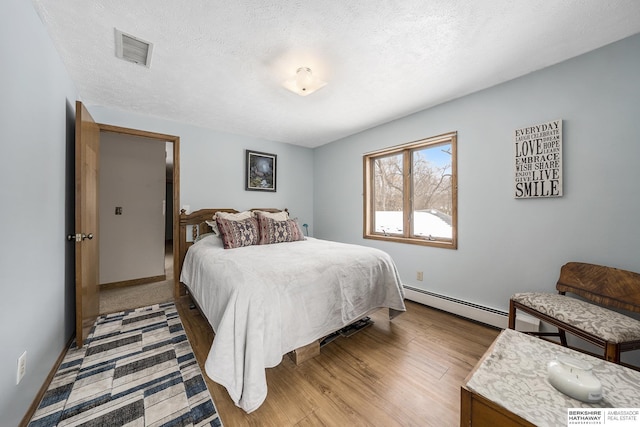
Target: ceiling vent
133	49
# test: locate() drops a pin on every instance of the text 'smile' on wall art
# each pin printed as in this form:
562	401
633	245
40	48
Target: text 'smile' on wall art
538	160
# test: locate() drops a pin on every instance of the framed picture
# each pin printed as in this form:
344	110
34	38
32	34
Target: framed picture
538	160
260	171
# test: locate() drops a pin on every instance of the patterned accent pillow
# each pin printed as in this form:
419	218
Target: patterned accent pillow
272	231
236	234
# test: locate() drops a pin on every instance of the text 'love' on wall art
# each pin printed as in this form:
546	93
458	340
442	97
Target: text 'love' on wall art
538	160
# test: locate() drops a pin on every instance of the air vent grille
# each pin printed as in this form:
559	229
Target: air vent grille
133	49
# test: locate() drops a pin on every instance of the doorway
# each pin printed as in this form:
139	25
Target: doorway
122	292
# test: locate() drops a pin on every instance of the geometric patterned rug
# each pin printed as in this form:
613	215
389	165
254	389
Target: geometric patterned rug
137	368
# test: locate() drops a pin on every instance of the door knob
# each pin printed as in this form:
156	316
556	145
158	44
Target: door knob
79	237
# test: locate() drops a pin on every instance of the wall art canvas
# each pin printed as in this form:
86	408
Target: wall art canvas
260	171
538	161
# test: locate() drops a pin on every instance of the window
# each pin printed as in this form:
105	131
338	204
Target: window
410	193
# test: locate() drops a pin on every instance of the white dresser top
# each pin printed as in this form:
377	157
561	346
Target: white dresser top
514	375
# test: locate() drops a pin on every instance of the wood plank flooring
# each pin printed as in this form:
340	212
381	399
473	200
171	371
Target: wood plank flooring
406	372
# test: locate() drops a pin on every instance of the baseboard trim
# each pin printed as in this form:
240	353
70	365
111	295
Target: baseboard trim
133	282
469	310
45	386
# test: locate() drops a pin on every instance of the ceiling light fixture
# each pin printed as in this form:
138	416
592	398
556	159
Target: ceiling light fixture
303	83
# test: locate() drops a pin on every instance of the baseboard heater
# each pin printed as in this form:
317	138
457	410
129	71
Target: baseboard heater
469	310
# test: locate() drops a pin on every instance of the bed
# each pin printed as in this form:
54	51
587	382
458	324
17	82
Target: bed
266	300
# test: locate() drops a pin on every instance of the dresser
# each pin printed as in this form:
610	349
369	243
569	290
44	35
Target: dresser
509	385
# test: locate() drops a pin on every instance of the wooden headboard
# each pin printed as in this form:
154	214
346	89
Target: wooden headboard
197	220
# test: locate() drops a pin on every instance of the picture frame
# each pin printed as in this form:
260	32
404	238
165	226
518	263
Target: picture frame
260	171
538	160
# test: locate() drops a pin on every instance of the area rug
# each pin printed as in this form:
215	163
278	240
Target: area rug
137	368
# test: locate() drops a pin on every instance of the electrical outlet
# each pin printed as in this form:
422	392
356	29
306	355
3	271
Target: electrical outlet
22	367
419	276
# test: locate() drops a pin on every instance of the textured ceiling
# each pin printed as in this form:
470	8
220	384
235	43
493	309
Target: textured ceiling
221	64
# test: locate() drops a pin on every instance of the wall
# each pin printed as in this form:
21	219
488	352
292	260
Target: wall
168	229
132	176
212	166
508	245
36	261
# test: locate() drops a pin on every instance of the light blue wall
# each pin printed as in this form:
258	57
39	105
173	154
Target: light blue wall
508	245
212	166
36	115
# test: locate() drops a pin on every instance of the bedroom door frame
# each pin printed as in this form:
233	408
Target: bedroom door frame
175	140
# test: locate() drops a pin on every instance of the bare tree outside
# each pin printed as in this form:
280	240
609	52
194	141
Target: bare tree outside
431	198
389	183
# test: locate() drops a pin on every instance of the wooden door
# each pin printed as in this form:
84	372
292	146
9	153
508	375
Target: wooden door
86	237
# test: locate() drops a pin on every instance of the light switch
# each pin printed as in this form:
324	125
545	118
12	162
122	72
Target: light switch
118	210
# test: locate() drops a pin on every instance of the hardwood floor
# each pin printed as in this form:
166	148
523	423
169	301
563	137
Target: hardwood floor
406	372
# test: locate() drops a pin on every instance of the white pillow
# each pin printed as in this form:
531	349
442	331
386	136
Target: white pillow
234	216
214	226
276	216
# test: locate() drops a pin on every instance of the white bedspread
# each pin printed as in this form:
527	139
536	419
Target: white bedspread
267	300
